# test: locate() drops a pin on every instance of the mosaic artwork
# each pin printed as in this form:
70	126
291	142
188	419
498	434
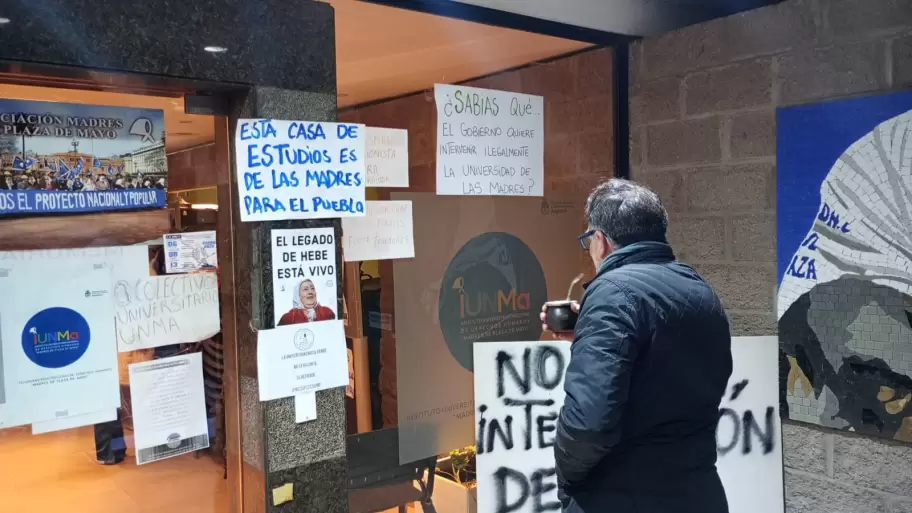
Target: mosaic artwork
844	230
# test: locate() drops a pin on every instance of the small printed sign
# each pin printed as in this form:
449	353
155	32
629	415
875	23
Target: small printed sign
191	251
301	358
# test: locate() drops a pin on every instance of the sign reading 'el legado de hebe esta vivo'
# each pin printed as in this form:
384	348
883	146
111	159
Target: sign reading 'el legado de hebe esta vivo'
299	169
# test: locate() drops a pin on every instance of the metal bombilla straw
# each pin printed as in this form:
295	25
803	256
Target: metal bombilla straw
573	284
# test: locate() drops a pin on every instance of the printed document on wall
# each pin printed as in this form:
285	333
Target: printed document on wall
489	143
299	169
300	358
190	251
58	344
169	407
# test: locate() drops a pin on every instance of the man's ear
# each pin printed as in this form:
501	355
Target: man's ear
606	244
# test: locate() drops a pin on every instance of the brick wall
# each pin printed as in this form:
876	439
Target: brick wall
703	103
579	150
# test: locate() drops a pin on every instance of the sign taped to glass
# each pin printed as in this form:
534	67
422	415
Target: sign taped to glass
60	158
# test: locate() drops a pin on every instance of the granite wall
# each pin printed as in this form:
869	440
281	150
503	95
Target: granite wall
703	134
579	150
269	42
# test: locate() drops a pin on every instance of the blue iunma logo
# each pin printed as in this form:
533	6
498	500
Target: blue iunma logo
55	337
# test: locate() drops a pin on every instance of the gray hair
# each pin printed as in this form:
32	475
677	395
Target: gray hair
626	212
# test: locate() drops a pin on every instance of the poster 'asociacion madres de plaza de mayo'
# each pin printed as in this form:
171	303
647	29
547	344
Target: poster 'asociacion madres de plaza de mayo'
58	158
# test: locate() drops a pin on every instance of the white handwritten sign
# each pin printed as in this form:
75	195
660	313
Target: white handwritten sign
489	143
516	413
387	157
384	233
516	459
749	434
304	275
301	358
299	169
153	311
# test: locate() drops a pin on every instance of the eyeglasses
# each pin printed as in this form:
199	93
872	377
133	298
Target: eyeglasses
586	238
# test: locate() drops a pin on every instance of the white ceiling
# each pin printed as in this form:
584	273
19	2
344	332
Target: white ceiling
383	51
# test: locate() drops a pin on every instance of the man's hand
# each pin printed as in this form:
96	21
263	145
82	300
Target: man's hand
559	336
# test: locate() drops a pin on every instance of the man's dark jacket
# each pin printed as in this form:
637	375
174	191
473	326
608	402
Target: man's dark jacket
650	363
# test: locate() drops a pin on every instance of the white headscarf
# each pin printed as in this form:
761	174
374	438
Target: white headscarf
869	190
296	301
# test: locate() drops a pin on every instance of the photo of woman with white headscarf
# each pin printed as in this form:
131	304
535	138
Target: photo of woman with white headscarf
306	307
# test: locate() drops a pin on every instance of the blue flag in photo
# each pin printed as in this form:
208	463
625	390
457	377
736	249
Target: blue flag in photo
96	162
110	170
23	165
76	171
62	170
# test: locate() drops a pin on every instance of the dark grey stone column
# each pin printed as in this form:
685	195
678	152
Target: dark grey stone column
276	450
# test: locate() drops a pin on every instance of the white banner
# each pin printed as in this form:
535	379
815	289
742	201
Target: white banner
299	169
153	311
385	233
293	360
511	455
516	413
489	143
749	434
387	157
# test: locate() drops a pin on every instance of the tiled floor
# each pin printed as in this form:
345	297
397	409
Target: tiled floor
56	472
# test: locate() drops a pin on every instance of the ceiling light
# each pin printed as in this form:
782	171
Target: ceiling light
4	21
215	49
204	206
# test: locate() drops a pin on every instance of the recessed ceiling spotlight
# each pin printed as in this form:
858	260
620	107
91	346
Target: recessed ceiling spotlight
4	21
215	49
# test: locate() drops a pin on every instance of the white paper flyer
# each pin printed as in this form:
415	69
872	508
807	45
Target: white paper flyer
169	407
295	359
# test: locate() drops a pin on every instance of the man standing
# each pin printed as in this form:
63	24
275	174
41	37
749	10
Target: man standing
651	358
